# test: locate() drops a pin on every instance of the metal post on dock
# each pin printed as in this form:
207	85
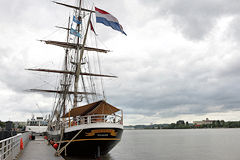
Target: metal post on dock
98	151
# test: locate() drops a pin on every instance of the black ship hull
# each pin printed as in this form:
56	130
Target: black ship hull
89	142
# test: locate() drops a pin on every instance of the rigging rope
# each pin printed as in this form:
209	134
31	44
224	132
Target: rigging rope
99	66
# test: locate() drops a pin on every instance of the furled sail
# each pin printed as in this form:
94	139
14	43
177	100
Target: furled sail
73	46
74	7
56	91
72	73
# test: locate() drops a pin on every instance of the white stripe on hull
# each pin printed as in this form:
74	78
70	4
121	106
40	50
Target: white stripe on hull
87	126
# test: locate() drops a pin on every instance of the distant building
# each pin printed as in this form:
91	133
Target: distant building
180	122
9	126
203	122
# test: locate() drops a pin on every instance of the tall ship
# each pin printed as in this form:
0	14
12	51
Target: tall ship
82	122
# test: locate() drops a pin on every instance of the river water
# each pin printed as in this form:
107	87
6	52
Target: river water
181	144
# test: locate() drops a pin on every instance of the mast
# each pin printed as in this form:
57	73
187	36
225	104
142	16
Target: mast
66	85
75	100
78	70
78	62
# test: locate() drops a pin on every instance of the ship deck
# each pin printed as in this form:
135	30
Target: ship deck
38	150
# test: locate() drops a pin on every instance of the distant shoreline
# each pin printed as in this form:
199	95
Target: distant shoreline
181	128
182	125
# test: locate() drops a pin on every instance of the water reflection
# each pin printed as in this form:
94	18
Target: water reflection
185	144
105	157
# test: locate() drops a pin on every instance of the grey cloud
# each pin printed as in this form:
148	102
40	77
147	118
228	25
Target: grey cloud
181	81
195	19
19	106
34	14
196	87
13	73
234	31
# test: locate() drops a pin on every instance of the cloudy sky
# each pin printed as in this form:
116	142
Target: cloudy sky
180	59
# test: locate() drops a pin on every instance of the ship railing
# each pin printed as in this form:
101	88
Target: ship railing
10	147
96	118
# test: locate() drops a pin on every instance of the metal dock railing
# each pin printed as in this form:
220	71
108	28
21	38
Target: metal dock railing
10	147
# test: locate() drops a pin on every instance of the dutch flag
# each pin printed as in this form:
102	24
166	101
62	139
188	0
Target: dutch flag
108	20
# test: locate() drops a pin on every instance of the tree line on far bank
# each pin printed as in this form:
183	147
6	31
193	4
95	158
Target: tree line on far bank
2	124
183	125
214	124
